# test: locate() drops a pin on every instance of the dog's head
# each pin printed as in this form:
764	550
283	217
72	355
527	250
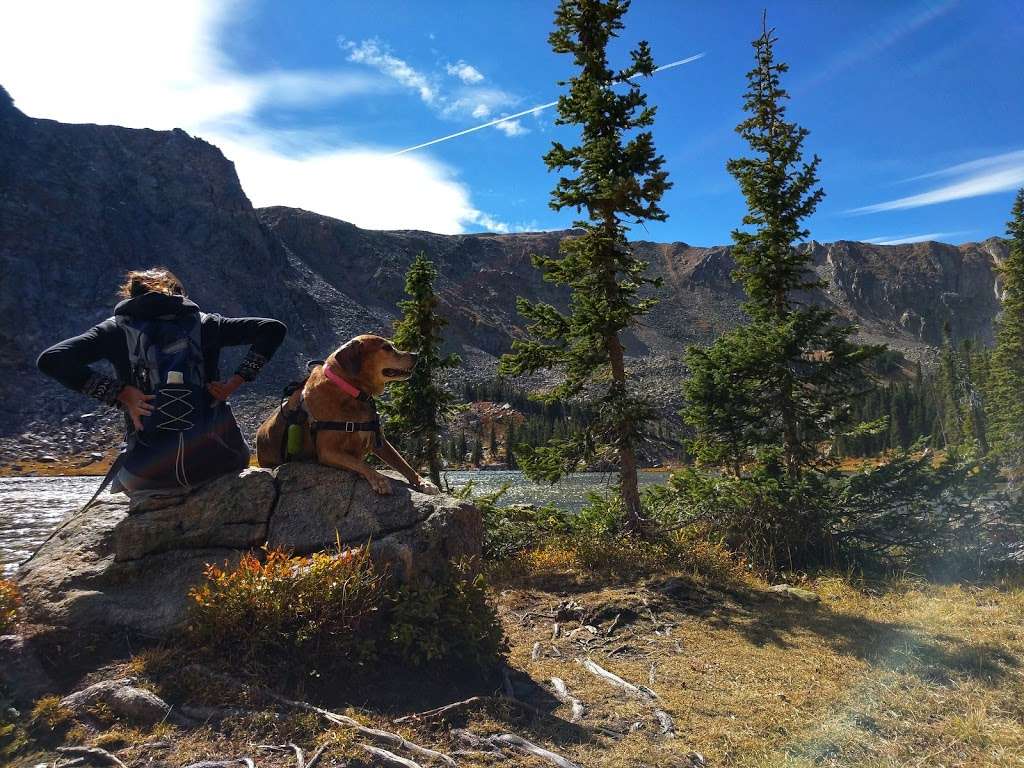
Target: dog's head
372	362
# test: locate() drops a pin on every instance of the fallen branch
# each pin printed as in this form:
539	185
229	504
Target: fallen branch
668	726
640	691
529	748
390	758
442	713
317	754
381	737
246	761
92	755
563	695
615	623
377	735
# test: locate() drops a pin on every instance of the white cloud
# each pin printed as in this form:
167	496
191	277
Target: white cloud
467	73
465	101
143	65
904	239
987	176
492	224
160	65
373	54
512	128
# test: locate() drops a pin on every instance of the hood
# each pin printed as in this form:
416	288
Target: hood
149	306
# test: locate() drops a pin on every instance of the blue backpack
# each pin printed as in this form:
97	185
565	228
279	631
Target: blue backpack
189	437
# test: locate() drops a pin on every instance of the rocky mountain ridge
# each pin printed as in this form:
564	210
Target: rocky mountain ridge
81	204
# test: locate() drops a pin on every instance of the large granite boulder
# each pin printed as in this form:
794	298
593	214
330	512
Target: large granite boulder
121	568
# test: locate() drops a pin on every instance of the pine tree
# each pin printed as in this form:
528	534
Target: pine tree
492	442
1006	375
774	391
510	437
419	407
613	174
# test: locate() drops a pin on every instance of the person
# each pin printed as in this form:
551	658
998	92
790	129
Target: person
180	431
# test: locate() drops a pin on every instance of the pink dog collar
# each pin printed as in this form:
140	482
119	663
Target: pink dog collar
345	386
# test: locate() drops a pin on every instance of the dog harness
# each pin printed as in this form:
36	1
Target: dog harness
301	415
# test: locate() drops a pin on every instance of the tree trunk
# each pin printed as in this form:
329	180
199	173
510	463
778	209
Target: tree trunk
433	462
628	482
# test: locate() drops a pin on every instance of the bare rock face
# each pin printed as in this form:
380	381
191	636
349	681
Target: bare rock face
122	569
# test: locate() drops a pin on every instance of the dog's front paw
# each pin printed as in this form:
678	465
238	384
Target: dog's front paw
379	483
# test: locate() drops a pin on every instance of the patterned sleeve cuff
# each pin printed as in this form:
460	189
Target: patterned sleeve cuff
103	388
251	365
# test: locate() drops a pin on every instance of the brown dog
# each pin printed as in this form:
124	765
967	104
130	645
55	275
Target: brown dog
339	392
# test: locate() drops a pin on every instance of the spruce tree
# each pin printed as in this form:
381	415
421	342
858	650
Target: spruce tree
419	407
612	175
1006	375
778	389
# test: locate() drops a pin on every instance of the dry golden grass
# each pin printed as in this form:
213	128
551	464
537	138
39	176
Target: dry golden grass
901	674
915	674
72	465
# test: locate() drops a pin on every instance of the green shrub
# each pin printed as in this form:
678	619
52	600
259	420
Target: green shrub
317	613
451	622
10	603
333	612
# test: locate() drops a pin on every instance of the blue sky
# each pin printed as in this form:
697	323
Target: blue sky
914	107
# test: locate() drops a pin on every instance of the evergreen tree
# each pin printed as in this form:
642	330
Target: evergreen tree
419	407
510	436
1006	377
613	174
777	389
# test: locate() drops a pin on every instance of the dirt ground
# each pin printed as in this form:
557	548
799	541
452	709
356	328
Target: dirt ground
723	674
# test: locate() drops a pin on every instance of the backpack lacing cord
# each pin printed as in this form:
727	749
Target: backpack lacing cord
176	422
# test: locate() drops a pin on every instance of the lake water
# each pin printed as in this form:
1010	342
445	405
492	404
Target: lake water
31	507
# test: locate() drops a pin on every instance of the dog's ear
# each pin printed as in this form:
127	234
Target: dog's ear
350	357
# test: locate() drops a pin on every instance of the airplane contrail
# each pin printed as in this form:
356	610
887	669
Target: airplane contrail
529	111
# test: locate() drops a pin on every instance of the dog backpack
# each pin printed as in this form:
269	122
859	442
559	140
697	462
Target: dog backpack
189	437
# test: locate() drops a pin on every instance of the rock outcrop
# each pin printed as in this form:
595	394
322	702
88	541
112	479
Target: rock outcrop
121	569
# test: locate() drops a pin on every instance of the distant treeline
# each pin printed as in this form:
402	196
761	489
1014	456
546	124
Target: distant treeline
942	406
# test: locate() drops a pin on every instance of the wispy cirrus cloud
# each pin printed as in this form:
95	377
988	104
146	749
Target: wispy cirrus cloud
373	54
467	73
471	98
878	41
985	176
904	239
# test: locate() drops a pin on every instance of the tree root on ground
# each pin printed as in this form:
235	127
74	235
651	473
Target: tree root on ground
390	758
93	755
376	735
563	695
640	691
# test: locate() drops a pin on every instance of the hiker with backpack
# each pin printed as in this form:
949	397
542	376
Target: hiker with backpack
165	353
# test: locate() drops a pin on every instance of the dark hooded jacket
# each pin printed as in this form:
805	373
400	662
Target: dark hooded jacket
70	361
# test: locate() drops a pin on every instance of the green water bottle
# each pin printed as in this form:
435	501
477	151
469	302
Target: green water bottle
294	440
